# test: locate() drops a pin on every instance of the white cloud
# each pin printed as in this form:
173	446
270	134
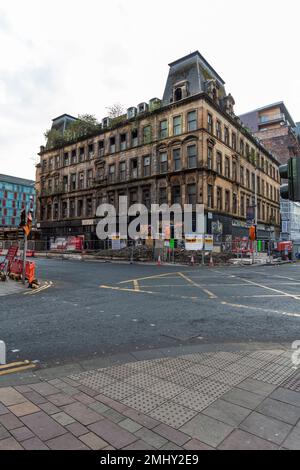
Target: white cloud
79	57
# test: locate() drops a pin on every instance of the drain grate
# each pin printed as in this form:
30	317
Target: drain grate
173	414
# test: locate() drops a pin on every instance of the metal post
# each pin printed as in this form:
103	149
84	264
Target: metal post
24	259
255	212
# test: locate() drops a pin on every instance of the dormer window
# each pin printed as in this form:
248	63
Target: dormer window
178	94
180	91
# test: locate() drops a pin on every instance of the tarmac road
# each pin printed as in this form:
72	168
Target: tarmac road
99	309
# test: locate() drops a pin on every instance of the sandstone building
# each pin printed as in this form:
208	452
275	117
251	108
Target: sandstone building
189	147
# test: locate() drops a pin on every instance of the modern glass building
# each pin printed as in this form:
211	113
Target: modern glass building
15	194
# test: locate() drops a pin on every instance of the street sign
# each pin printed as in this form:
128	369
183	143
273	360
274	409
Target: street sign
208	243
194	242
251	215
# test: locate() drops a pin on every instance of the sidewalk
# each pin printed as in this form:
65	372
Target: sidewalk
11	287
221	400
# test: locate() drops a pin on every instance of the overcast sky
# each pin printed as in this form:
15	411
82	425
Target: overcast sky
77	57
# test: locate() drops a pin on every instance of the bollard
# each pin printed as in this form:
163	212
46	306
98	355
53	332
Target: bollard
2	353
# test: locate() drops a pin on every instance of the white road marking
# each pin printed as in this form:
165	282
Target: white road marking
288	314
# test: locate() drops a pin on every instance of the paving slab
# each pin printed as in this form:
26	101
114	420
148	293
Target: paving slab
227	412
292	442
241	440
67	441
267	428
201	401
243	398
112	433
283	411
207	430
287	396
43	426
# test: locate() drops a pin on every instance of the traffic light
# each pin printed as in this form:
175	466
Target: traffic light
291	172
23	218
252	233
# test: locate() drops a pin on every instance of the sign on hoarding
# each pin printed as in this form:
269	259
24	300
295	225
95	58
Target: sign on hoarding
208	243
194	242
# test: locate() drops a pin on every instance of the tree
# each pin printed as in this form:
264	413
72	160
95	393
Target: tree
85	124
54	138
116	110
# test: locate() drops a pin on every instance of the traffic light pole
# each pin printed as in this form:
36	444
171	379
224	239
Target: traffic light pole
254	248
24	257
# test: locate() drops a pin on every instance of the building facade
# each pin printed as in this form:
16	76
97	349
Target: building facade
189	147
275	128
15	194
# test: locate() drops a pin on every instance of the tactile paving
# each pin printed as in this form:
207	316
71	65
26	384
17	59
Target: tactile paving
186	379
173	414
211	388
166	389
274	374
118	372
119	390
194	400
143	402
96	380
293	383
141	380
228	378
200	369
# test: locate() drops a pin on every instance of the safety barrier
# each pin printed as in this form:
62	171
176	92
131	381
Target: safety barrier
17	269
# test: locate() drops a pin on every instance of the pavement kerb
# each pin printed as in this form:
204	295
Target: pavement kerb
53	372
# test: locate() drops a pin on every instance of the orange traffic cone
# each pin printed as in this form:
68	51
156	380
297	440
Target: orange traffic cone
192	260
159	261
211	261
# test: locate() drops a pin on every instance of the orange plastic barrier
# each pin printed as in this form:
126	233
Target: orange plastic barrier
17	268
30	271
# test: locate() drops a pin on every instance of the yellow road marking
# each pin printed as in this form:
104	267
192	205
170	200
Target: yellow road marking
17	369
195	284
148	277
127	290
14	367
13	364
261	309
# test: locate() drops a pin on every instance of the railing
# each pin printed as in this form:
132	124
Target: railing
55	190
267	119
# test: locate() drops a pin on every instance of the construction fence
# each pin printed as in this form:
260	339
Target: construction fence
146	250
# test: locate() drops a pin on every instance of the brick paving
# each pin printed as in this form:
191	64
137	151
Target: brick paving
202	401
